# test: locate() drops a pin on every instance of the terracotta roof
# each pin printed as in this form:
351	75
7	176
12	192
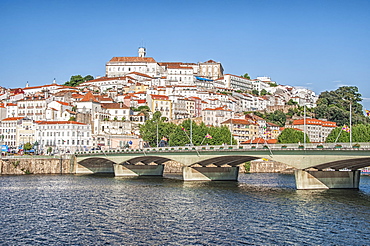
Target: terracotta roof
89	97
141	74
35	87
260	141
159	97
210	61
12	118
239	122
133	59
217	109
315	122
63	103
104	79
59	123
11	104
114	106
178	67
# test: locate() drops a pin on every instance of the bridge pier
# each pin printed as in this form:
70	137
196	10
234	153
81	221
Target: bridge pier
80	169
311	180
138	170
210	173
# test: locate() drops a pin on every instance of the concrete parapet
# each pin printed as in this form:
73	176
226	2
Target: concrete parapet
310	180
210	173
138	170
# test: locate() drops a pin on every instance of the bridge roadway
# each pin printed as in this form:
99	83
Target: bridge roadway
199	158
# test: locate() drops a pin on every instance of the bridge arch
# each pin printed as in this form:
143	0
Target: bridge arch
95	165
225	160
352	164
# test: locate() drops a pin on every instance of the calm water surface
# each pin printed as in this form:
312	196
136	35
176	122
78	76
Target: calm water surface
260	209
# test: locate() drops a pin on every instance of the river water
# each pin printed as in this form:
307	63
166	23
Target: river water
259	209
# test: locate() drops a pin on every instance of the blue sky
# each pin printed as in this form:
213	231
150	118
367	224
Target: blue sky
320	45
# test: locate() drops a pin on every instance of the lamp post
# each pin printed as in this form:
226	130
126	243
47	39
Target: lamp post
1	139
157	134
304	125
231	128
350	124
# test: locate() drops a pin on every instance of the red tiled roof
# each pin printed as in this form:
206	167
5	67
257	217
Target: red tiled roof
239	122
140	74
89	97
260	141
159	97
114	106
315	122
12	118
58	122
210	61
217	109
63	103
133	59
104	79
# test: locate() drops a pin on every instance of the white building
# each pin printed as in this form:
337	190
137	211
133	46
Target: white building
120	66
215	116
237	82
63	136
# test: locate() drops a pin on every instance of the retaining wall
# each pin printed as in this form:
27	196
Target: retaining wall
35	166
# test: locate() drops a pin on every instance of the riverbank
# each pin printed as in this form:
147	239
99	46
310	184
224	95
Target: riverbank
40	165
47	165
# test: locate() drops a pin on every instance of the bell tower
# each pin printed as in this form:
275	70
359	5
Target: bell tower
142	52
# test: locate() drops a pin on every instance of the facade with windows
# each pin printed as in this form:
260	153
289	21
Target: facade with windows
8	131
215	116
63	136
317	130
33	107
210	69
242	129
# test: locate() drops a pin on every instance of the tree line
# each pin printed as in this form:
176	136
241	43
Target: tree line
170	134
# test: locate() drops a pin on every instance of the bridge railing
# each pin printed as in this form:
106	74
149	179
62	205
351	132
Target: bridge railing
249	147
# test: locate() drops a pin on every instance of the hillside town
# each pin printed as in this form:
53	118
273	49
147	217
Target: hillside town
106	112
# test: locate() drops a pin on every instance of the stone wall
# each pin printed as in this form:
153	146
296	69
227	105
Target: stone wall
35	166
270	167
172	167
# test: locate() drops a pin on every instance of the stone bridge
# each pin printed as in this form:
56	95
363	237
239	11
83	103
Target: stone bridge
221	163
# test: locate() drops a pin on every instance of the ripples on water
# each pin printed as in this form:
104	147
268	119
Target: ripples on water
260	209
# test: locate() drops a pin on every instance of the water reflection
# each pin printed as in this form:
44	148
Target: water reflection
259	209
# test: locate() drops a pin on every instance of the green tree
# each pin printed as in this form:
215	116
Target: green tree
290	135
246	75
49	150
88	78
360	133
278	118
263	92
255	92
291	102
75	80
27	146
72	118
148	130
335	105
180	135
